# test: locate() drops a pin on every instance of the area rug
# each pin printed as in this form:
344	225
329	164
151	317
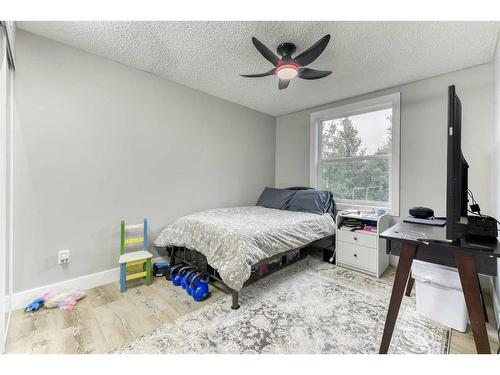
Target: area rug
303	308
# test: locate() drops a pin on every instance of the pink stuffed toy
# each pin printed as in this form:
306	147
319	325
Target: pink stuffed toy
63	300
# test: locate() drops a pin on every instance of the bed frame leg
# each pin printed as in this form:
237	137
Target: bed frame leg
235	305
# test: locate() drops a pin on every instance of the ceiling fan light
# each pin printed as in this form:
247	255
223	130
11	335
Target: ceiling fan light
287	71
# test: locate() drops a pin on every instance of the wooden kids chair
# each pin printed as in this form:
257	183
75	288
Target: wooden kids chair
136	264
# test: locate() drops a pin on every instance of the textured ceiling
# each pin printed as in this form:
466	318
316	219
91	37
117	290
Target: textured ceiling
209	56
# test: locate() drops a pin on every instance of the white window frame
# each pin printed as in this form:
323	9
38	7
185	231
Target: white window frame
378	103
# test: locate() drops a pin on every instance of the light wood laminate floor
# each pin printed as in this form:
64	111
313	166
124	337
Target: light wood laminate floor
105	319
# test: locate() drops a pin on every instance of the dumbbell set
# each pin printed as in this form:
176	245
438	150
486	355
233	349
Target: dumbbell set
191	279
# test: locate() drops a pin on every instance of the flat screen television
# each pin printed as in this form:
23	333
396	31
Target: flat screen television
457	170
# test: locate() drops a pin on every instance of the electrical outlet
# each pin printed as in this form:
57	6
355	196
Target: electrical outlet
63	257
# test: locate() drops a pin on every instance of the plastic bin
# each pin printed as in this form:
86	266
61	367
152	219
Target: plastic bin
439	294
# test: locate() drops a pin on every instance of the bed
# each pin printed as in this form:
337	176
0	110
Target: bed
233	241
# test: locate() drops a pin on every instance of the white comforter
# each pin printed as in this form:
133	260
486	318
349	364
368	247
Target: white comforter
234	239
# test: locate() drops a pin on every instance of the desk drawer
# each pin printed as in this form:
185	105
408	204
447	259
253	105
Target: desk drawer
358	256
357	238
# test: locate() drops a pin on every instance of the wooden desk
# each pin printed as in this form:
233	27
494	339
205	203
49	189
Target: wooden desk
414	241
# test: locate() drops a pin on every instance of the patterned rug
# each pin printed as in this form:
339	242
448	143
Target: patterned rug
303	308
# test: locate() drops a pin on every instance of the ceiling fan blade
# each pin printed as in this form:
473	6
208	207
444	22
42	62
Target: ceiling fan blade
269	73
283	84
306	73
264	51
313	52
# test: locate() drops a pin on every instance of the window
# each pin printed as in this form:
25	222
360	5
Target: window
355	153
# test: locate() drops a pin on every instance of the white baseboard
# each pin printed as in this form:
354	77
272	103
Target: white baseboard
21	299
7	303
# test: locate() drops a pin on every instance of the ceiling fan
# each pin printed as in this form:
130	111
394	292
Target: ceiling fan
289	67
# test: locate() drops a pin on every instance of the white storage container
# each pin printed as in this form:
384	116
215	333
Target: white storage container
439	294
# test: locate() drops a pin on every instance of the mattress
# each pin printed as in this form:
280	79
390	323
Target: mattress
234	239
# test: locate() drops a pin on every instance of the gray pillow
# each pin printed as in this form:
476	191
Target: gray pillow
275	198
313	200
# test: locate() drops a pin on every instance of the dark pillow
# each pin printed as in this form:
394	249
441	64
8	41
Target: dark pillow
313	200
275	198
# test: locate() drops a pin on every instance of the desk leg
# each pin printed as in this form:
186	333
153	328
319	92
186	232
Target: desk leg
409	286
472	293
482	300
406	256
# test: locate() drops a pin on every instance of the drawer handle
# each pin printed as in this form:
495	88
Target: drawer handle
355	255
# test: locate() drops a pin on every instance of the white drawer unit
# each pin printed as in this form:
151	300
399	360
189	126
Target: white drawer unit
357	256
362	250
357	238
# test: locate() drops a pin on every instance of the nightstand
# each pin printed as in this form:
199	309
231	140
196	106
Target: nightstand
362	250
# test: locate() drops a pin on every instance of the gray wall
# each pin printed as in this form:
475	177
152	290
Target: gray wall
423	139
96	141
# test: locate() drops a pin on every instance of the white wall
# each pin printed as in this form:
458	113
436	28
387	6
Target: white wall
423	139
96	141
4	270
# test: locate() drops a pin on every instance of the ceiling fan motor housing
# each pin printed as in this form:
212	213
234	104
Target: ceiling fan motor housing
286	50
